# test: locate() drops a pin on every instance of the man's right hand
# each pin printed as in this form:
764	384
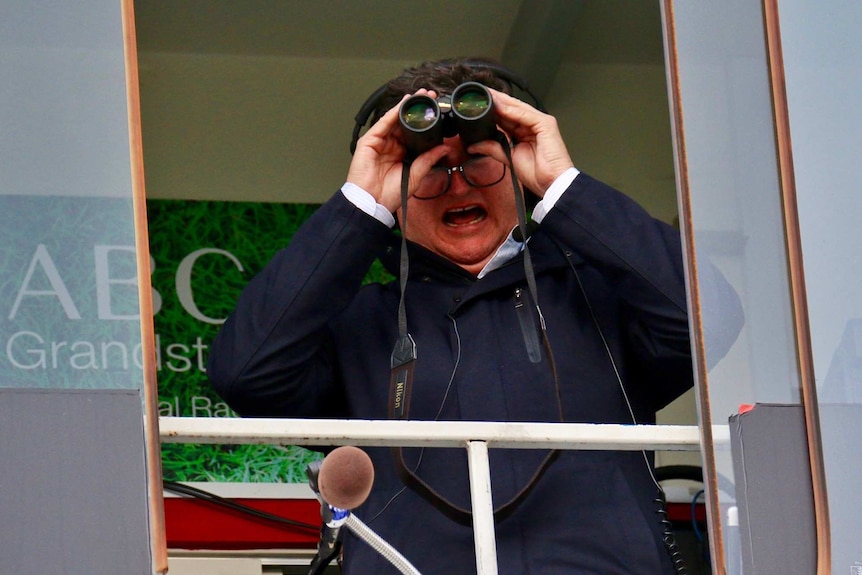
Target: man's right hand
379	159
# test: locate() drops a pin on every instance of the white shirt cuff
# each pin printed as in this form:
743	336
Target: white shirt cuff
560	185
366	202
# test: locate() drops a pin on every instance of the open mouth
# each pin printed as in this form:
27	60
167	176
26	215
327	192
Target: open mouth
464	216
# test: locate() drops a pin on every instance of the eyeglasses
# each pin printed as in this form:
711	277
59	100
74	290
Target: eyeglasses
479	172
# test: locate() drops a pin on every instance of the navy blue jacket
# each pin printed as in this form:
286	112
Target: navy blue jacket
307	340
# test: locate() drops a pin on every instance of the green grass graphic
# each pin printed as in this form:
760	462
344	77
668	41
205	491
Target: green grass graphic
252	232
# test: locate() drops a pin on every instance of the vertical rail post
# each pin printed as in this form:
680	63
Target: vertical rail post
483	508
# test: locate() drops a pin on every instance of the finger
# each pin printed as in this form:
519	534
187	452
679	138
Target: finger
387	121
423	163
513	113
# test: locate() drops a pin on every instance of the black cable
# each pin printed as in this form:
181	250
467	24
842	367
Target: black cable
183	489
668	537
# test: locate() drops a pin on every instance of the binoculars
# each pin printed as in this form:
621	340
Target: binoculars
468	112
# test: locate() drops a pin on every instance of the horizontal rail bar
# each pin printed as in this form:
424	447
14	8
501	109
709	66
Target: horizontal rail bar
364	432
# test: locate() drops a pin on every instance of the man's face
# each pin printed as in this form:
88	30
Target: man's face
467	224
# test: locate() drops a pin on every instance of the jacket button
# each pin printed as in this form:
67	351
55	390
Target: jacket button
457	299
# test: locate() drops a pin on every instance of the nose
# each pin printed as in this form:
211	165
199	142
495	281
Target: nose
458	185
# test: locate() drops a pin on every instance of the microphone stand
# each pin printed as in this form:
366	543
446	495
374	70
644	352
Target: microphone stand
330	534
329	545
366	534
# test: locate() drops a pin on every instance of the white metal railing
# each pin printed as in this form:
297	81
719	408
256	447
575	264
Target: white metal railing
476	437
365	432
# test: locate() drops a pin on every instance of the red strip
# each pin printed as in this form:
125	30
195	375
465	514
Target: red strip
681	512
196	524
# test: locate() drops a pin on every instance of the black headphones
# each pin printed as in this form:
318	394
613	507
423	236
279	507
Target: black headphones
501	72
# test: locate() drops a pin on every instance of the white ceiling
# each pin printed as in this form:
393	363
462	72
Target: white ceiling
232	90
532	36
372	29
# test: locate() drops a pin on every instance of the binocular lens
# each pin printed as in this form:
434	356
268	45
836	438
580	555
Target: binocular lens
427	121
471	103
419	114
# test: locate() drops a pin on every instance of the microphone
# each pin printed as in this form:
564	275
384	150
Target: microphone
530	228
346	476
343	482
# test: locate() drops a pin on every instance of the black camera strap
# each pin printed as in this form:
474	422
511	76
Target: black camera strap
404	358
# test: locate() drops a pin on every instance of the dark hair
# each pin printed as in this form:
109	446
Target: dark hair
442	76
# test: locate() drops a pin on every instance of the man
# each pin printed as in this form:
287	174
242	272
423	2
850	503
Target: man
603	338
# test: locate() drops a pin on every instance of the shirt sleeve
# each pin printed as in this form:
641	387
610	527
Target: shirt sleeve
560	185
365	202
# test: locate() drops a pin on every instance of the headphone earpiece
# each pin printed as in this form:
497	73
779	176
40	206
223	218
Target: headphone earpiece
501	72
364	113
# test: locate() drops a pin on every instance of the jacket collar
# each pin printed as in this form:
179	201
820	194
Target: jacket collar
423	263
